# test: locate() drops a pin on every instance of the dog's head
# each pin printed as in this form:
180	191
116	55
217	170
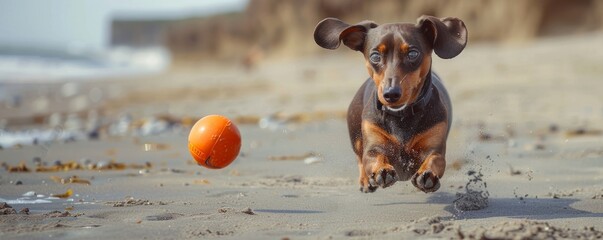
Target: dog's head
398	56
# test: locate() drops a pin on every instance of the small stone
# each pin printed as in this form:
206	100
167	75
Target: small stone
29	194
6	209
248	211
18	182
94	134
24	211
37	161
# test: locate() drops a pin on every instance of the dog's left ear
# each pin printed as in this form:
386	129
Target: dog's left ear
448	35
330	32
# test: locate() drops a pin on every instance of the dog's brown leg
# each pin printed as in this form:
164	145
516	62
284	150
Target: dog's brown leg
365	186
379	147
429	148
363	178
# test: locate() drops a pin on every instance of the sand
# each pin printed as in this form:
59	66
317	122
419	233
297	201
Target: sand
527	126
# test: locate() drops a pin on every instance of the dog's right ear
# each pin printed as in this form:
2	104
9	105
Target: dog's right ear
331	31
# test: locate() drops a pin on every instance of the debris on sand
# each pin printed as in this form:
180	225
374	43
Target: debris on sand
72	179
67	194
583	132
308	158
202	181
246	210
430	226
130	201
55	214
21	167
513	171
475	196
568	193
526	229
59	166
438	227
6	209
24	211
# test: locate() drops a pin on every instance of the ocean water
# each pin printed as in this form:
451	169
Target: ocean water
35	66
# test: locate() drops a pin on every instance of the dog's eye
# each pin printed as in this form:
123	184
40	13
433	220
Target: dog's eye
413	54
375	58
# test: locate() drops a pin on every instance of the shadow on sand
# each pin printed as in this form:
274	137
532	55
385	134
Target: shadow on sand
530	208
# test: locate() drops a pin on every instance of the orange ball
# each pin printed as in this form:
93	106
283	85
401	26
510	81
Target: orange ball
214	141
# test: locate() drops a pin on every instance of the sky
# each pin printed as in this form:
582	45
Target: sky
84	24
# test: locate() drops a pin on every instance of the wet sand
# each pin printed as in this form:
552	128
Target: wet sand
526	117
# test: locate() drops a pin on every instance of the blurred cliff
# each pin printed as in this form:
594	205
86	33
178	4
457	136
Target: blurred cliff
284	28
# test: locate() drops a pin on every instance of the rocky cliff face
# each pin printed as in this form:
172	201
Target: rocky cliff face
285	27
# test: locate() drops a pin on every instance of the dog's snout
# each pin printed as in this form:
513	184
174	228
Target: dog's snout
392	94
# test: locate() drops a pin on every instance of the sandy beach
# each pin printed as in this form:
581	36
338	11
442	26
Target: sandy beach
527	133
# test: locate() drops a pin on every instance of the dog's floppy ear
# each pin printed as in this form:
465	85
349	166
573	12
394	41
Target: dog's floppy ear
331	31
448	35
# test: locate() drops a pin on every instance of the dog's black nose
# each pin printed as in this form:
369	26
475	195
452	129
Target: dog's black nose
392	94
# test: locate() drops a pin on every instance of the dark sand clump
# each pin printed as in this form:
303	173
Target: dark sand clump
476	194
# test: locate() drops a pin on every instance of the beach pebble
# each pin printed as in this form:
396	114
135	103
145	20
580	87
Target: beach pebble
24	211
102	164
37	161
248	211
29	194
18	182
6	209
94	134
86	162
122	126
272	123
153	126
312	160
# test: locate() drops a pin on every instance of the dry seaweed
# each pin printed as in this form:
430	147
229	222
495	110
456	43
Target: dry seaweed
67	194
72	179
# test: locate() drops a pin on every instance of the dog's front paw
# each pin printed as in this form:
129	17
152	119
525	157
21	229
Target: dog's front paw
365	186
383	177
426	181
